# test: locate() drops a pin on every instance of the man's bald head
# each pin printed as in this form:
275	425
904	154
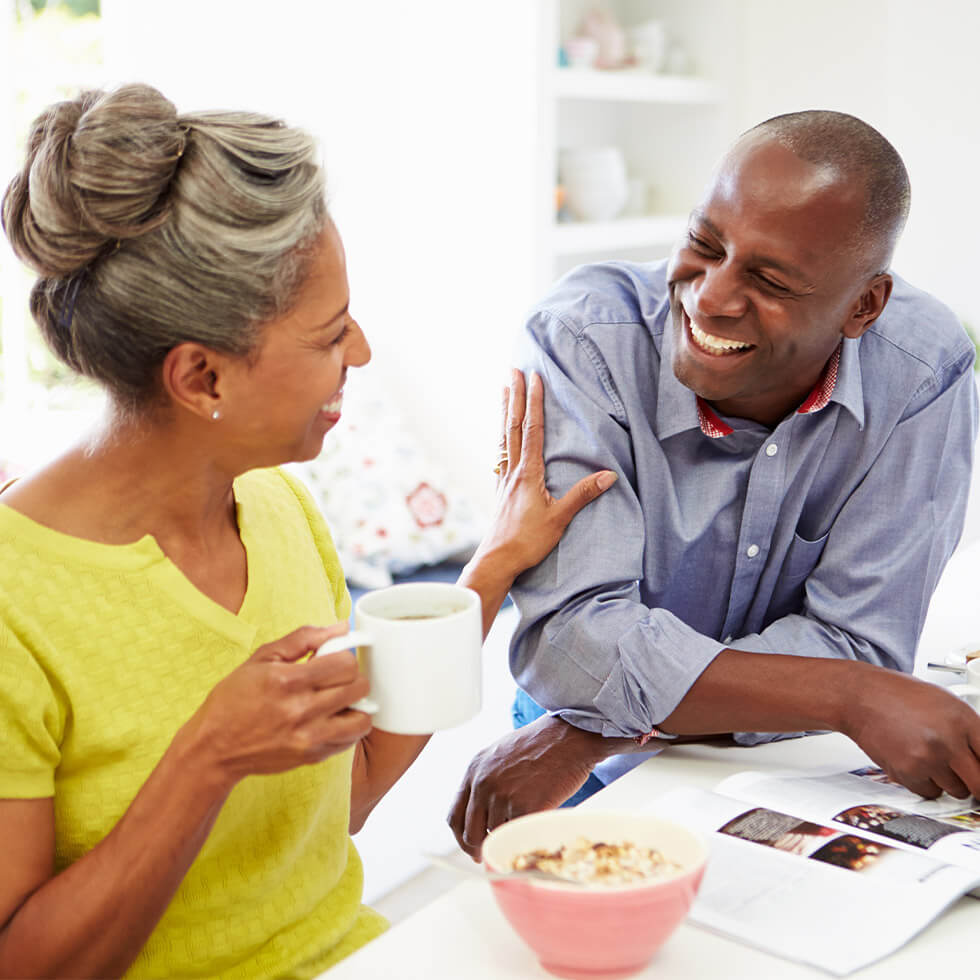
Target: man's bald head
856	152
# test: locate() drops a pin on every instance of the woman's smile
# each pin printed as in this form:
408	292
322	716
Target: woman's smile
331	409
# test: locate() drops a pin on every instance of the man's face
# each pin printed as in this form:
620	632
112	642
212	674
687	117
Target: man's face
763	286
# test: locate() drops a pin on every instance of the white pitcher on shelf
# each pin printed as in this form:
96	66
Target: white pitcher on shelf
648	43
595	181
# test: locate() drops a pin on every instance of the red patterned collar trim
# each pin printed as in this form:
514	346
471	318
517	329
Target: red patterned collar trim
714	428
711	425
824	388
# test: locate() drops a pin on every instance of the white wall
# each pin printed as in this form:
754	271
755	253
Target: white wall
911	70
934	86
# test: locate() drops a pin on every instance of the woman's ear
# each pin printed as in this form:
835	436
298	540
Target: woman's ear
870	305
192	377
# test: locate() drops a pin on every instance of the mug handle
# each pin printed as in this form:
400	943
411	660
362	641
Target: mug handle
355	638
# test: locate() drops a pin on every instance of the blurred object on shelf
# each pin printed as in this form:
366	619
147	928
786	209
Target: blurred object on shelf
601	24
561	197
594	178
582	51
648	45
637	198
562	57
677	59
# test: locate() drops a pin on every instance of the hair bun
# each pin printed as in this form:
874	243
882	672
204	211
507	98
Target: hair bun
98	169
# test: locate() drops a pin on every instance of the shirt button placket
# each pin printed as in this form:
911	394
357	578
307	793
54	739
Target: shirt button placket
763	497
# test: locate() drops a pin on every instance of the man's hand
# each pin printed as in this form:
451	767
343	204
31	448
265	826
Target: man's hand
533	768
921	735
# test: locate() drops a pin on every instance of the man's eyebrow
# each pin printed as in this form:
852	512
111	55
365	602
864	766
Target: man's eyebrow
791	271
699	216
757	258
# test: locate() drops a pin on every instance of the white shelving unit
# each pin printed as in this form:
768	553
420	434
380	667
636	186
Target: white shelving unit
633	85
671	128
584	237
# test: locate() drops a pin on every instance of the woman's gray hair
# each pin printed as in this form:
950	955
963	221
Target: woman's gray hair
148	229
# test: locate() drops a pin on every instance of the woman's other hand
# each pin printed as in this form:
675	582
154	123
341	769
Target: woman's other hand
278	711
528	520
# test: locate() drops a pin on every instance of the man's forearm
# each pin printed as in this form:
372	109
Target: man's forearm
760	692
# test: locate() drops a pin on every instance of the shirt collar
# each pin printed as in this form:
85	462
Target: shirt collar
849	391
678	409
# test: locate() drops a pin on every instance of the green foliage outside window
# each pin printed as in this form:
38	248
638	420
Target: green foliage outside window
57	52
78	8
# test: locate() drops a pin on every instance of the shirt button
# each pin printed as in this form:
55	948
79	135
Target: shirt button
728	639
772	449
752	550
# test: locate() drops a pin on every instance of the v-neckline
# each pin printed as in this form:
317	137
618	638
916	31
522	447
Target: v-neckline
203	606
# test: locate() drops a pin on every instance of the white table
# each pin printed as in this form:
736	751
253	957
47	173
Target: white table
463	936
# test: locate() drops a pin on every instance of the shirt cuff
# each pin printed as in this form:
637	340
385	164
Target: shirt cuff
659	659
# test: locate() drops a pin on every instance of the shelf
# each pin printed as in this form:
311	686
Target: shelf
631	85
580	237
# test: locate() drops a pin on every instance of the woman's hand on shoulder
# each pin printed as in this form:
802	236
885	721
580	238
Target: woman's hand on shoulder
280	710
528	520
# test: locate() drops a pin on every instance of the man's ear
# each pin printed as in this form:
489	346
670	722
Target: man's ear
870	305
192	377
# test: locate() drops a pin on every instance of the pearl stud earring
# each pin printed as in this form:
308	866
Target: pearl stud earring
215	415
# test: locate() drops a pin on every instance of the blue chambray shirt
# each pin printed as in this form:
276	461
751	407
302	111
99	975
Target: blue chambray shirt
822	537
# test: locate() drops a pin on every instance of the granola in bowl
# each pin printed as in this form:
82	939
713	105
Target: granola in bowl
599	863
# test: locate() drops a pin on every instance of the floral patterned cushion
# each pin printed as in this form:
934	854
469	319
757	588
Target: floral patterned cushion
391	508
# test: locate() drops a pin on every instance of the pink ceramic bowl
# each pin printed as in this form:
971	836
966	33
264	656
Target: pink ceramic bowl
596	931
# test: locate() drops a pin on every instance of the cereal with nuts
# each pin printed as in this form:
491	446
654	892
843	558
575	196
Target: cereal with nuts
599	863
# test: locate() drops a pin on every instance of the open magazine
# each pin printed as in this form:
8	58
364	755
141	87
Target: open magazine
834	870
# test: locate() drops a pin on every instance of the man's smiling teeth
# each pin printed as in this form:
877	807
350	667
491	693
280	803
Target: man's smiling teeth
715	345
332	407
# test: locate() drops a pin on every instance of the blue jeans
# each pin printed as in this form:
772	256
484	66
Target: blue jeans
525	710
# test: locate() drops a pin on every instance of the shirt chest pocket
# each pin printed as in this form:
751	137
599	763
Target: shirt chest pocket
801	559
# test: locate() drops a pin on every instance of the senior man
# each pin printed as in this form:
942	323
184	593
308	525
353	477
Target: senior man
793	426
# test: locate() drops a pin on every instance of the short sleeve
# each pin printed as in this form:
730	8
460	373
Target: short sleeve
31	723
324	544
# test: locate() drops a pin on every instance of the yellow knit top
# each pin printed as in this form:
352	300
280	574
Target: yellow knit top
105	651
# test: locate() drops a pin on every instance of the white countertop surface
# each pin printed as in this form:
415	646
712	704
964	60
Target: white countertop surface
463	936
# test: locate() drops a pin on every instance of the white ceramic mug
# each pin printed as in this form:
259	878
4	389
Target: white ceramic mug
970	692
420	646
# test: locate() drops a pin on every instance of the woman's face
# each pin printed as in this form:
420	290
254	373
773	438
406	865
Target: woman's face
279	405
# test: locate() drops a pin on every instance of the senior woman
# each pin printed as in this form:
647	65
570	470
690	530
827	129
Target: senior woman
178	778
